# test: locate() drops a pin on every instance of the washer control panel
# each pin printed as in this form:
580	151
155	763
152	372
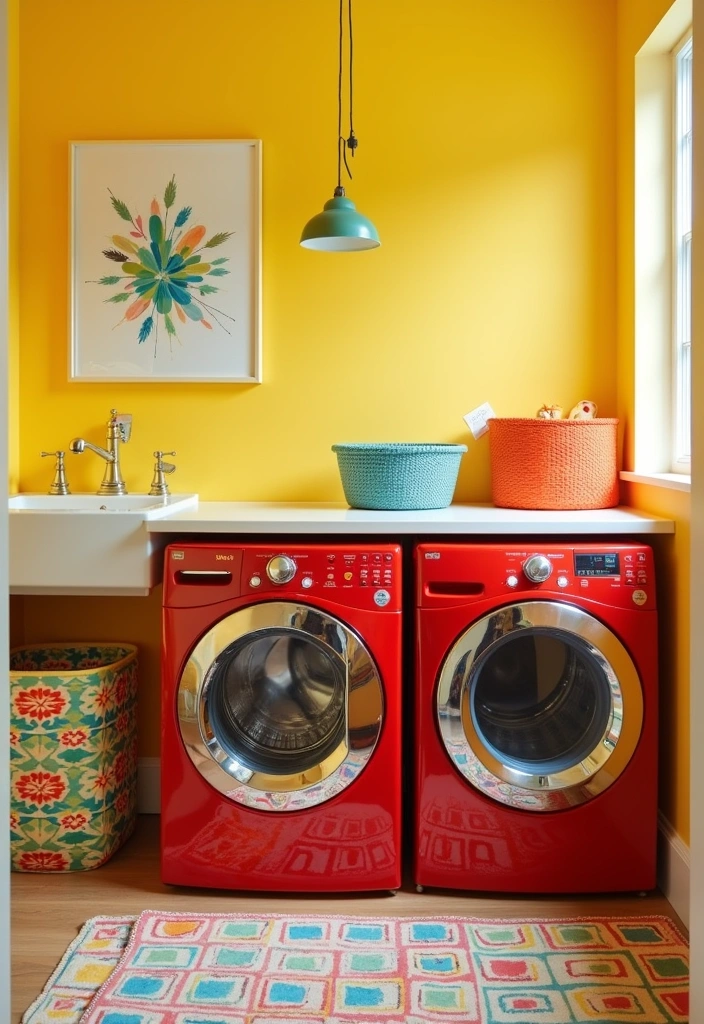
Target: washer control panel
590	570
374	569
362	575
610	572
635	569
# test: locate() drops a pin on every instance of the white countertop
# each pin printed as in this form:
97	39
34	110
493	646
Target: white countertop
331	517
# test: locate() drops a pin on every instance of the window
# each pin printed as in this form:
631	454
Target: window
682	256
662	252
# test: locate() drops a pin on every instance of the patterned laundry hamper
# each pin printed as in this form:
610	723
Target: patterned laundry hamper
73	742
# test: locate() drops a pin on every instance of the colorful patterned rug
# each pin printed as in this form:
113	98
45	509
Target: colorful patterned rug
87	963
312	969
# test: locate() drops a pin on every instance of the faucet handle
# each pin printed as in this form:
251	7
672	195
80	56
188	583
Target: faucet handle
123	422
59	484
159	487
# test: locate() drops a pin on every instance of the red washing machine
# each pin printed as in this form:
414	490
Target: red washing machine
281	717
536	717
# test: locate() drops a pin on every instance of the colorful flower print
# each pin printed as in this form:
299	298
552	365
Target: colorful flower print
121	767
97	701
73	737
164	270
122	801
73	822
90	663
26	664
95	784
104	697
40	703
124	722
42	860
57	665
40	787
66	753
121	689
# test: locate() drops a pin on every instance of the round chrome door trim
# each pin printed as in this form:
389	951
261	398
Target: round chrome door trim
571	786
268	790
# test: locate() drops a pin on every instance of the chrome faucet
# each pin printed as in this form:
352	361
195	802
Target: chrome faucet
119	430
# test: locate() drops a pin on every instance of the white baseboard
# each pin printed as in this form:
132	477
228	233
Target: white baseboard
148	785
673	868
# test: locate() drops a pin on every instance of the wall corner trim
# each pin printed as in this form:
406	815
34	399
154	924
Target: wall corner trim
673	868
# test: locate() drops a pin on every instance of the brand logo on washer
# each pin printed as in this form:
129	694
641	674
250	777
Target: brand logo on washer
432	554
382	598
178	556
224	558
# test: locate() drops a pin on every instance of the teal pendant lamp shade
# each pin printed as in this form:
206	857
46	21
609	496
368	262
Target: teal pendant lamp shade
339	228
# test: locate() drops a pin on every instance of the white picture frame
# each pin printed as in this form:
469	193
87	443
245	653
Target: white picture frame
165	261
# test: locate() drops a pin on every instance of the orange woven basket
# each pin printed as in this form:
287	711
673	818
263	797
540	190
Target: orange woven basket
554	464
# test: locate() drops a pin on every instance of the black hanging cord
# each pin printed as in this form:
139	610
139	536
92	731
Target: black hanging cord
351	143
352	140
339	106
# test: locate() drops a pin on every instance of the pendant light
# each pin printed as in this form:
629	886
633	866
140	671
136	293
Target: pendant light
340	228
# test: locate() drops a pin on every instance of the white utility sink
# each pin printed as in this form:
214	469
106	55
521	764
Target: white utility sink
143	505
87	543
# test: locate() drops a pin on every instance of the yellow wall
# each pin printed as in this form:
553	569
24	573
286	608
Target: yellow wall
487	161
636	21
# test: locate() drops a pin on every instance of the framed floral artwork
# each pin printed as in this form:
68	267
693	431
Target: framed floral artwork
165	261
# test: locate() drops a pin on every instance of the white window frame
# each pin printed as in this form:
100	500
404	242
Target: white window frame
682	255
653	430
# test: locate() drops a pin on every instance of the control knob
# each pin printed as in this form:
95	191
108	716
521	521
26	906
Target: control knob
537	568
280	569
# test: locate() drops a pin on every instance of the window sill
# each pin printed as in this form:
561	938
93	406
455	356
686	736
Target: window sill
670	481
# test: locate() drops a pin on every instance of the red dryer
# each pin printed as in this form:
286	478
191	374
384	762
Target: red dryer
536	717
281	717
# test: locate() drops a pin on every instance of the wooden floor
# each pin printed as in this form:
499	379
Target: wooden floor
48	910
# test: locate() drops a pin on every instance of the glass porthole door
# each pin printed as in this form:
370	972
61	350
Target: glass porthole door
280	706
539	705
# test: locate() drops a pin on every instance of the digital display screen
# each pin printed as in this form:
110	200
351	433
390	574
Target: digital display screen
596	565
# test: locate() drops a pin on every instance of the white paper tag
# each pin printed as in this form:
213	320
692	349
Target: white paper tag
476	419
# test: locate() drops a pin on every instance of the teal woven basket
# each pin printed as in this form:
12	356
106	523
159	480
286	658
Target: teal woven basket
399	476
